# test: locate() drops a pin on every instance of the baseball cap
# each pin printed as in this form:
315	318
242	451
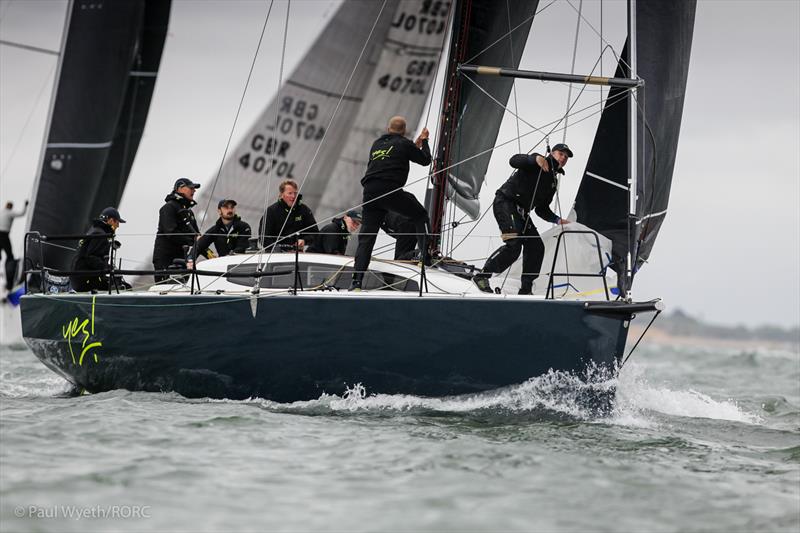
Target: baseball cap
226	201
185	182
355	215
564	148
111	212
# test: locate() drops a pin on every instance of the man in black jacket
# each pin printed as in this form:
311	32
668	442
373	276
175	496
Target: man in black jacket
177	227
333	237
94	253
288	222
229	234
530	188
386	175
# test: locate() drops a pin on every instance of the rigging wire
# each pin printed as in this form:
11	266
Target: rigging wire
599	34
515	28
45	84
572	69
327	129
514	82
277	120
238	110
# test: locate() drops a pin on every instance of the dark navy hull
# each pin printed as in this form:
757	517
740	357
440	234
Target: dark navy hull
297	347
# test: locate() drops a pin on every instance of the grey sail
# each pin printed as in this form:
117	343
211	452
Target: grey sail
406	68
663	41
107	72
283	141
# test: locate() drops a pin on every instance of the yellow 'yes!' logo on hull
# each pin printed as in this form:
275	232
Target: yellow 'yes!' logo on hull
76	327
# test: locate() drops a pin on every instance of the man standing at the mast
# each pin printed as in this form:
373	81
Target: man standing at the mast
387	174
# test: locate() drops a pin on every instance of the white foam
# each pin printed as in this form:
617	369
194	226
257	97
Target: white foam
635	396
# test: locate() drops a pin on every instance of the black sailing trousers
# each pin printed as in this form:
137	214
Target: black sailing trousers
376	206
512	219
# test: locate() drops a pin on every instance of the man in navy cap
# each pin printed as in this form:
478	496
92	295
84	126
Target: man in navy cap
530	188
333	237
229	234
94	254
177	227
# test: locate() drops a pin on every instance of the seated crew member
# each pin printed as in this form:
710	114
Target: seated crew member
531	187
229	234
94	254
403	231
333	237
286	219
386	175
177	227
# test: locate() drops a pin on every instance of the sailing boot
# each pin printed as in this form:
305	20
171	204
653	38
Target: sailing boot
526	289
481	280
355	285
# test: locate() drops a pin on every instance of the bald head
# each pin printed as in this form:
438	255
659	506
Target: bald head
397	124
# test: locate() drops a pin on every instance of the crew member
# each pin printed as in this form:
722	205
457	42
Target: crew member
531	187
386	175
229	234
333	237
403	231
288	223
7	217
177	227
94	254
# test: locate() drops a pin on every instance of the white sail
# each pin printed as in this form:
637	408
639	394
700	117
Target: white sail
405	74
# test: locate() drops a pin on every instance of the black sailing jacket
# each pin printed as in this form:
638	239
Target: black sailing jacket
333	238
177	228
93	253
522	188
389	157
226	239
301	220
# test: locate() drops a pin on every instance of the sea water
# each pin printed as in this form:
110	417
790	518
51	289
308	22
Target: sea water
701	439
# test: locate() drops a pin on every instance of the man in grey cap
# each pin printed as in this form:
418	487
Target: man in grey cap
333	237
94	254
177	227
530	188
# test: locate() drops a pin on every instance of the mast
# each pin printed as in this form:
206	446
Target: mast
633	132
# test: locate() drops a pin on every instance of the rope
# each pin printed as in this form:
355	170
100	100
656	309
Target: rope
514	83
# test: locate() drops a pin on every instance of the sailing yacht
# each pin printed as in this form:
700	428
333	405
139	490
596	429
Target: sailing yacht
281	326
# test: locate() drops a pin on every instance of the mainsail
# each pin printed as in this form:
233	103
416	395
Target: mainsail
107	73
471	119
400	41
663	46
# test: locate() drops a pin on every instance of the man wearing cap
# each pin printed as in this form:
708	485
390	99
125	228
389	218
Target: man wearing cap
333	237
530	188
229	234
94	254
177	227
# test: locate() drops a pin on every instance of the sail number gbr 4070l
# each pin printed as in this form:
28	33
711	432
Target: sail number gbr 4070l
295	120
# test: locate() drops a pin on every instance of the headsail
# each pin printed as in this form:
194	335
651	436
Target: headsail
663	41
107	72
471	119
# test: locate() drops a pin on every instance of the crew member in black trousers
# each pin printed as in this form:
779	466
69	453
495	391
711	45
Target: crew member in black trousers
530	188
387	174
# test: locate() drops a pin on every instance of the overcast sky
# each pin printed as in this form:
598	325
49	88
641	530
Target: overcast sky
728	252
